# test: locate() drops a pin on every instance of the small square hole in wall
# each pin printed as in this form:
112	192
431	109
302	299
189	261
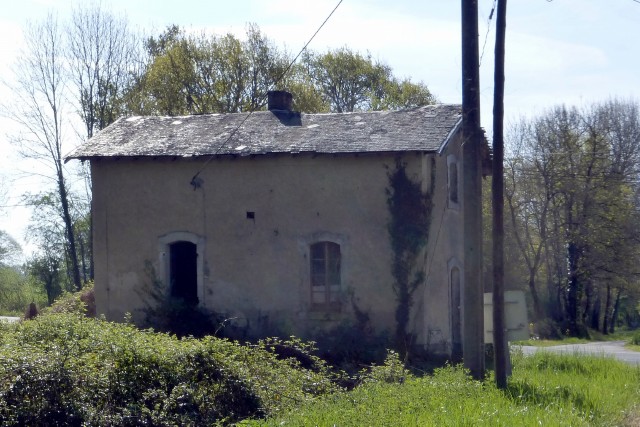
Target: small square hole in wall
251	215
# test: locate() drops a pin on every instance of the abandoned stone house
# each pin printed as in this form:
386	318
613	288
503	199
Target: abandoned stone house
277	219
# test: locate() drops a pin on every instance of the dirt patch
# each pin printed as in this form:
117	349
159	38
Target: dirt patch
632	419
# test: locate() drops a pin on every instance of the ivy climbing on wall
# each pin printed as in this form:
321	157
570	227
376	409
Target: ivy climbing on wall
409	220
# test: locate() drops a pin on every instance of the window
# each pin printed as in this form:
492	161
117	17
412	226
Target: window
325	275
452	181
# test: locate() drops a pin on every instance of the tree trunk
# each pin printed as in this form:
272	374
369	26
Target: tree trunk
68	224
82	259
588	297
573	294
607	309
594	321
537	307
91	268
616	310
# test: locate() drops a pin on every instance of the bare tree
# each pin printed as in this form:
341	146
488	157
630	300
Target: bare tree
101	51
39	108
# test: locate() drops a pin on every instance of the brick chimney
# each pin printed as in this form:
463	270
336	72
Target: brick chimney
279	100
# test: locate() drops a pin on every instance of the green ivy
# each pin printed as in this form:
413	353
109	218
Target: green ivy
410	216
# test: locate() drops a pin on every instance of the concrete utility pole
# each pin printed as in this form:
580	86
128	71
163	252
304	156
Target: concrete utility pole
473	316
501	350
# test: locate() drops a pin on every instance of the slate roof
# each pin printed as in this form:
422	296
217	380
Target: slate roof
420	129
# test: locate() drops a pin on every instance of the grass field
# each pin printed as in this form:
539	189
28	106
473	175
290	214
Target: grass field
545	389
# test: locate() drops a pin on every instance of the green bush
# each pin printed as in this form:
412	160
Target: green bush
635	339
175	316
352	345
81	302
66	369
391	371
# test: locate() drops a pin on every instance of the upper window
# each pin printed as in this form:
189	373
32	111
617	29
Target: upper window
325	275
452	181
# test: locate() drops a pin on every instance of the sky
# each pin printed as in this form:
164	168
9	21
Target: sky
573	52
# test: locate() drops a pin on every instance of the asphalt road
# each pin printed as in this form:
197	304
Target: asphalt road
614	349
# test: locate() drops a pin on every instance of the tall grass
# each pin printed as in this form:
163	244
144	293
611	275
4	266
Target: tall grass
546	389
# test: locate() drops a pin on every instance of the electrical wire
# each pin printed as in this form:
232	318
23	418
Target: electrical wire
195	181
486	36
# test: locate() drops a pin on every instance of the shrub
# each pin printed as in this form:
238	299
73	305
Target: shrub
66	369
635	339
82	302
175	316
391	371
352	345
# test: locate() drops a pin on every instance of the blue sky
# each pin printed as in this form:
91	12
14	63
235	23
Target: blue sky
563	51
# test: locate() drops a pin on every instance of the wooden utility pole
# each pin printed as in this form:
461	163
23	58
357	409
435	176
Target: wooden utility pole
473	316
497	192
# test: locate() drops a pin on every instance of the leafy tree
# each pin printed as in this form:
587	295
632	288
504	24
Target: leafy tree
189	74
46	270
208	74
349	82
11	278
572	196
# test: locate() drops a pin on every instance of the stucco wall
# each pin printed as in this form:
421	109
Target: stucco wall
432	320
257	270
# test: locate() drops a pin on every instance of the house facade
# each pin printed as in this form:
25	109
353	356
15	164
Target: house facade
276	219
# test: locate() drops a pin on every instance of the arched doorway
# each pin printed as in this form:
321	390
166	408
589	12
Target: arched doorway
183	271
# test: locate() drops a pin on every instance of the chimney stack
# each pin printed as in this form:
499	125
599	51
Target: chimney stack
279	100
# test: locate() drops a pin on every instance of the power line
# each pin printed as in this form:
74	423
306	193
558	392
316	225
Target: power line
486	36
195	181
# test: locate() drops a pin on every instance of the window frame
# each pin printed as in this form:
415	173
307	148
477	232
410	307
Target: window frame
325	275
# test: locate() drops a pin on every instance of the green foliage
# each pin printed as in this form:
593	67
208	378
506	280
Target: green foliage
349	81
635	339
408	227
352	345
571	191
165	313
391	371
595	389
17	291
66	369
82	302
189	74
545	389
